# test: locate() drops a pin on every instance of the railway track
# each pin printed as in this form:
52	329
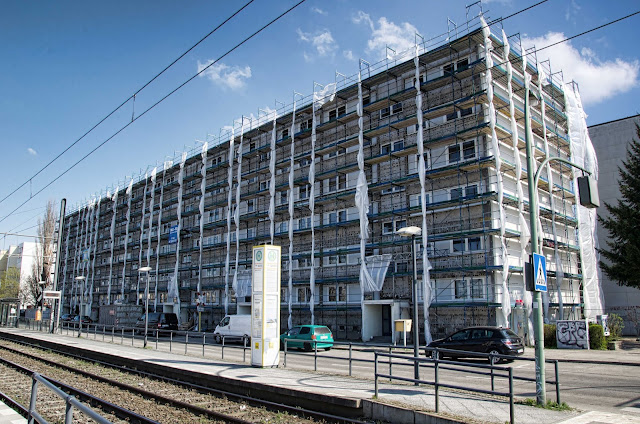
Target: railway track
141	397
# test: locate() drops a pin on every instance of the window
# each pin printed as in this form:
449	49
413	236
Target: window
366	100
336	183
458	245
337	216
391	110
477	288
462	64
466	112
306	125
474	243
333	114
284	196
387	228
414	200
448	69
252	146
469	149
456	193
305	192
471	191
304	295
396	146
251	206
304	223
285	133
461	289
454	153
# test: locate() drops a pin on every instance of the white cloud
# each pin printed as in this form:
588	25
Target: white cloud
322	42
319	11
398	37
233	77
348	54
598	80
32	152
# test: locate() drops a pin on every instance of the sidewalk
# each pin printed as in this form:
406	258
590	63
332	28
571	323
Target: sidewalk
629	354
396	403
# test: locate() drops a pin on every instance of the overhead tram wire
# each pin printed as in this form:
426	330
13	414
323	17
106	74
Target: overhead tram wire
154	105
172	63
125	102
241	43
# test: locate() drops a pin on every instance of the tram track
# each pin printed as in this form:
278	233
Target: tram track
154	396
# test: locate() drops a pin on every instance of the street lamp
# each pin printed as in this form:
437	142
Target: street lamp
146	302
413	232
81	279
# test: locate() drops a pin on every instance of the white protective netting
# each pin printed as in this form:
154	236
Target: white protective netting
502	275
66	257
229	204
114	208
236	212
167	165
151	205
362	201
243	286
292	131
583	154
427	296
144	211
377	266
272	181
525	234
173	291
129	193
203	191
94	233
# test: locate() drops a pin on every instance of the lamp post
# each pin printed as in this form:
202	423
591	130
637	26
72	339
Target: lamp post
413	232
81	279
146	302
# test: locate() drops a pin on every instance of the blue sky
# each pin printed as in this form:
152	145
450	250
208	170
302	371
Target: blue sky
66	64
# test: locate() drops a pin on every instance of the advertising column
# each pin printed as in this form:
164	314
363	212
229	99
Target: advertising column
265	306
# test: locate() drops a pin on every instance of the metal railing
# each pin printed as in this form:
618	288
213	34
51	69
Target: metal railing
436	381
70	401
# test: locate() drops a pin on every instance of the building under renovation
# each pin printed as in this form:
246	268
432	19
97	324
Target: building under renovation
433	137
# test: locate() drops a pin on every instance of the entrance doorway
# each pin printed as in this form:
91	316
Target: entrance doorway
386	320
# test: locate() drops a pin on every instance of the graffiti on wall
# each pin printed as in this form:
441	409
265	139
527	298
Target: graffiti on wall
572	334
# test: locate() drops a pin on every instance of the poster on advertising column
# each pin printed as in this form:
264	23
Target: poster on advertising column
265	306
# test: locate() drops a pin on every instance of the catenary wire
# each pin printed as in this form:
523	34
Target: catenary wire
244	41
125	102
154	105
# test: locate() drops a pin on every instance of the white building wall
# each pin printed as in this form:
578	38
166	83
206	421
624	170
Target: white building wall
610	140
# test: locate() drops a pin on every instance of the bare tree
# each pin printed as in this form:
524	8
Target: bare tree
43	260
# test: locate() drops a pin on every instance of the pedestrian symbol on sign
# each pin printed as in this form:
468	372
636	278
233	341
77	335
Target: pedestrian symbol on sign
540	272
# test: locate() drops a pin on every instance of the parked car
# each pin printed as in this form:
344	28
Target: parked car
85	319
493	340
67	317
163	322
234	327
302	337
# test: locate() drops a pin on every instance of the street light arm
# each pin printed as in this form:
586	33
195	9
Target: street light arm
536	178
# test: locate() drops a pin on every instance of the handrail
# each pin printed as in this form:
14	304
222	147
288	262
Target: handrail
71	402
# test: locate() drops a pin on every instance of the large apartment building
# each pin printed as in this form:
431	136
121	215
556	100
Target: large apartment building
434	138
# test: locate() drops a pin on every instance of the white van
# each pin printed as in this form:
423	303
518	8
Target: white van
234	327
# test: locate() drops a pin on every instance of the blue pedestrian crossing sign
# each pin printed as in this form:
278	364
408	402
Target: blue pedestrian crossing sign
540	272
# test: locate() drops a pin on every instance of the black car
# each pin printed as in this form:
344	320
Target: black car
492	340
85	320
67	317
158	321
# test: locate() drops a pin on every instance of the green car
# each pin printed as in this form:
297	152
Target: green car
303	337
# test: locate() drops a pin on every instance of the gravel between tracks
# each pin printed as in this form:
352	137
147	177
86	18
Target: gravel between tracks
134	402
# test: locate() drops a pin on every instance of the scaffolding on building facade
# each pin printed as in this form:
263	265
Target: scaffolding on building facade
331	177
